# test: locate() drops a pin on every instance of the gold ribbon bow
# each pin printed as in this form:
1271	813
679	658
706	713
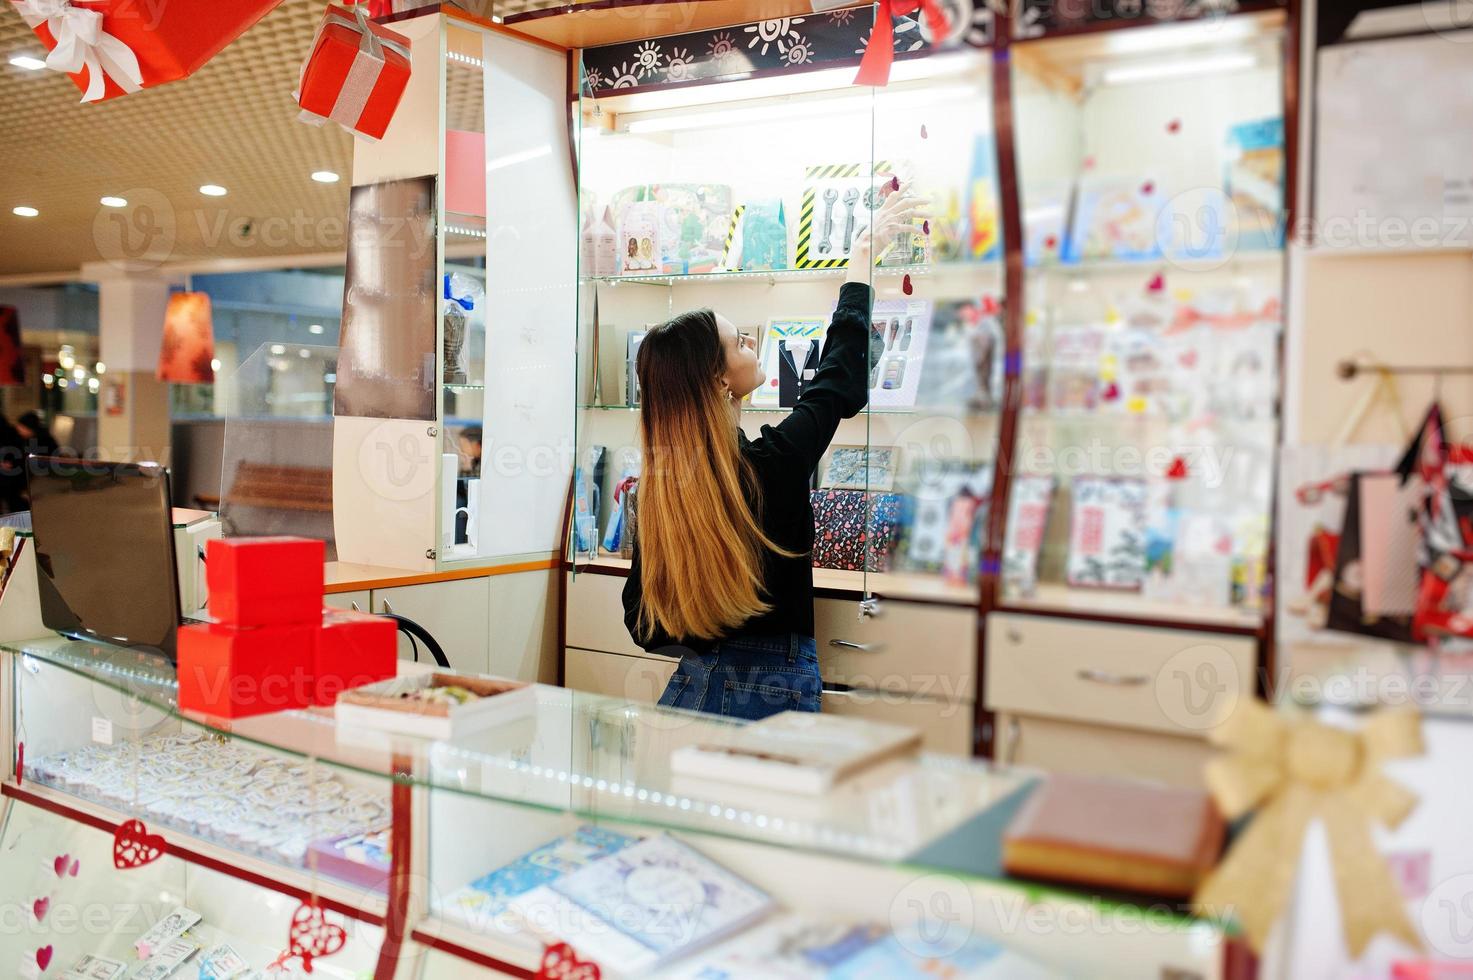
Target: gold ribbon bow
1296	772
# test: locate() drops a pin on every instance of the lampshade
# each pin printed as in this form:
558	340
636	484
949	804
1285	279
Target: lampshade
189	341
12	364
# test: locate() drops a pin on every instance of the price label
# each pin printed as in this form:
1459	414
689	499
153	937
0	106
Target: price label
102	731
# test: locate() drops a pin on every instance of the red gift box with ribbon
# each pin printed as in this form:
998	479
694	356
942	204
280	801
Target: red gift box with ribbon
355	75
112	47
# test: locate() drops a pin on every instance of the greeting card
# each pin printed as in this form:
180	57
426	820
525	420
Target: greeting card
1107	533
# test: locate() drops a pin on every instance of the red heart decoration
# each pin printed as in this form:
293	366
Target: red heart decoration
40	907
1174	126
134	846
59	865
989	306
1051	242
43	957
894	183
77	866
311	935
926	227
1089	163
20	761
1189	358
924	134
1157	283
905	285
1112	392
1148	188
559	962
1177	470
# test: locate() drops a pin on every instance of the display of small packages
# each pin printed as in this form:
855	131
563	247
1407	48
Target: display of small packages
963	370
791	348
165	932
930	509
95	968
794	751
258	804
675	229
898	333
836	205
854	530
758	239
222	962
482	903
1029	504
641	907
1107	533
436	705
166	961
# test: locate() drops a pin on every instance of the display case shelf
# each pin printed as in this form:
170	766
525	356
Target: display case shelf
776	276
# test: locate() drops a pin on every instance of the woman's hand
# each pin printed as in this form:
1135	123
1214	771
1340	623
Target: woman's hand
898	210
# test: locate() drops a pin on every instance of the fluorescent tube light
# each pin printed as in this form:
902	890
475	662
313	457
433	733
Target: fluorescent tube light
1156	70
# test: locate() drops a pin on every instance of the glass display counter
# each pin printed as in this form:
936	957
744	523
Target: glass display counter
445	839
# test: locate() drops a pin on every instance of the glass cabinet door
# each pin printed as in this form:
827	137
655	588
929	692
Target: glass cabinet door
1152	171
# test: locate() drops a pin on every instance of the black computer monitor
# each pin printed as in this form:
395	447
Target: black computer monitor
105	551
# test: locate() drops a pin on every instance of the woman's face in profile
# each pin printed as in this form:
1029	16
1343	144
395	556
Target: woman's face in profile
744	373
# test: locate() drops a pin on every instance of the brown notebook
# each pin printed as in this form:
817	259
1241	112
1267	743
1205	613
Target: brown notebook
1115	834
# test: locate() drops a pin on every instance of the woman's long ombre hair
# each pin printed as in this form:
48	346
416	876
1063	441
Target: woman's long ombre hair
701	547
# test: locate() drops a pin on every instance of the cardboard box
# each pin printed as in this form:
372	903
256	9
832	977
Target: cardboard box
230	672
273	581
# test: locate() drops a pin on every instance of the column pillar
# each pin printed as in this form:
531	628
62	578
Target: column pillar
133	407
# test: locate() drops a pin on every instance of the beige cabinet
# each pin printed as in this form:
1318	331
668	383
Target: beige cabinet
945	726
456	613
1112	699
615	675
358	600
596	613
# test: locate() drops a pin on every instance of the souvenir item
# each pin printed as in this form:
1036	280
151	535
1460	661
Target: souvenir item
861	468
854	530
983	229
962	372
691	223
166	961
794	751
460	298
640	239
967	513
631	375
1346	610
1028	508
360	859
438	705
164	932
898	351
642	906
1254	183
761	231
629	520
110	47
599	246
96	968
1107	547
780	341
797	364
1074	368
929	496
614	536
1115	218
836	205
221	963
355	73
488	896
1045	221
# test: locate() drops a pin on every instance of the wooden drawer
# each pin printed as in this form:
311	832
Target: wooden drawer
617	676
596	614
920	648
1165	680
945	726
1093	750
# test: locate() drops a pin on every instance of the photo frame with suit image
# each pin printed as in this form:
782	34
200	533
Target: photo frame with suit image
790	353
861	468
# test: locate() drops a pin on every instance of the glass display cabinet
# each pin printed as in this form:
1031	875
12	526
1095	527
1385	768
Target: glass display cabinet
459	309
1152	167
449	858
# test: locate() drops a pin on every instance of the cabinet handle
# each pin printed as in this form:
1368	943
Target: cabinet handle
388	608
354	606
1114	680
870	608
851	645
1015	636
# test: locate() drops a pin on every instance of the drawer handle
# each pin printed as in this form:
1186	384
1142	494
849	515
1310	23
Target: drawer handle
354	606
1114	680
851	645
870	608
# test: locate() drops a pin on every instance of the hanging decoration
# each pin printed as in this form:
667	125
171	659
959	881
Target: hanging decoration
187	353
12	364
354	75
109	48
1295	772
133	846
560	962
311	936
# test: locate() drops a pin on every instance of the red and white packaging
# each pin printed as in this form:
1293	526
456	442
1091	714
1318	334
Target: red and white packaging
355	74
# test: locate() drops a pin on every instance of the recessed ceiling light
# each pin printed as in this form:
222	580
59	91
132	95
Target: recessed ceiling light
25	211
304	352
27	62
113	202
278	349
324	177
315	328
212	190
215	364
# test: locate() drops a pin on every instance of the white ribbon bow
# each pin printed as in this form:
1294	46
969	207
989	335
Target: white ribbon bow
82	43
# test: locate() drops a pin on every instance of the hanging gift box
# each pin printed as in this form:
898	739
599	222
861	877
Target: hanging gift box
355	75
113	47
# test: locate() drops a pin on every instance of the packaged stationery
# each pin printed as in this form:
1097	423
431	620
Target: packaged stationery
165	931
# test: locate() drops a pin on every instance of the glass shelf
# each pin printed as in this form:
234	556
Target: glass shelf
592	756
463	387
775	276
1254	259
770	410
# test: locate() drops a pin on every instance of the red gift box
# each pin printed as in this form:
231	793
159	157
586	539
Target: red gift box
111	47
353	649
265	581
355	75
228	672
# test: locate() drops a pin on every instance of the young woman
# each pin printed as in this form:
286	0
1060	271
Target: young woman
721	575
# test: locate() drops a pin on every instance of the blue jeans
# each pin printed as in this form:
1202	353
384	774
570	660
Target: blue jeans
748	677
